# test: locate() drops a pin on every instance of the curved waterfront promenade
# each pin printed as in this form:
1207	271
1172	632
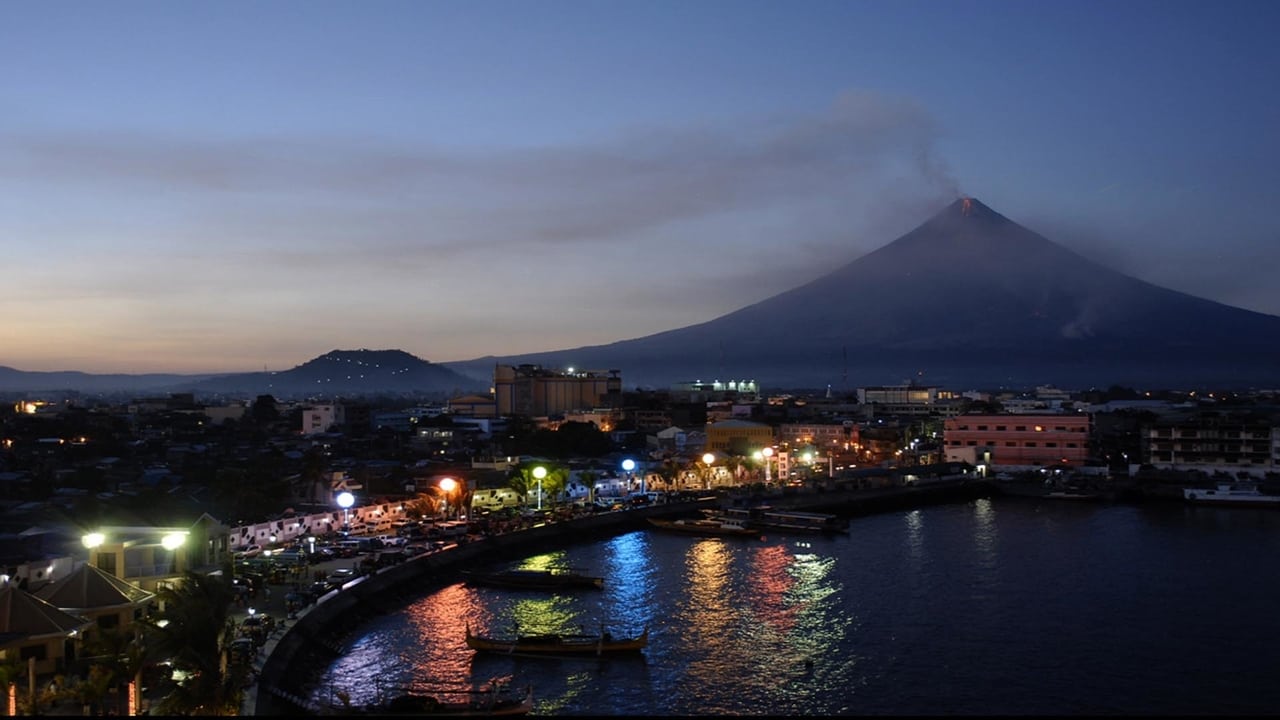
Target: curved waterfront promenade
319	628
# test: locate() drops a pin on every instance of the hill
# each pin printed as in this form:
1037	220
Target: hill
336	373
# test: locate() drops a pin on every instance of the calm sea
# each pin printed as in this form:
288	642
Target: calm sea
1003	606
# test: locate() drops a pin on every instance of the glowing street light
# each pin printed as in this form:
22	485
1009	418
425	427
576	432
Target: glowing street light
448	485
629	467
708	459
539	473
345	501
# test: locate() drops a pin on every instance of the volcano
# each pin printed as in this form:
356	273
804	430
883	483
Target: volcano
969	299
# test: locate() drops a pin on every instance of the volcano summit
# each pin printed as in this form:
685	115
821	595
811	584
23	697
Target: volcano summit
967	299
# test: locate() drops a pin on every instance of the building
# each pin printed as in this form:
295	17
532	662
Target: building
908	400
1213	440
151	557
38	634
478	406
738	437
110	603
533	391
1017	440
829	437
318	419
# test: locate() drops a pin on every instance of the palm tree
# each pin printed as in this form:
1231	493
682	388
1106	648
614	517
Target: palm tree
194	631
669	471
115	658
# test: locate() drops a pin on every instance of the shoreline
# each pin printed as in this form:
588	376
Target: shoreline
318	629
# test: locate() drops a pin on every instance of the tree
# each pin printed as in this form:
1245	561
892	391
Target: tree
194	631
264	411
522	480
115	658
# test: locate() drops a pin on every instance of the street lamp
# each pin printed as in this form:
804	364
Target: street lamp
539	473
448	485
707	459
629	467
345	501
767	452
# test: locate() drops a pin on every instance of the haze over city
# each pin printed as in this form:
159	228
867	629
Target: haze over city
232	186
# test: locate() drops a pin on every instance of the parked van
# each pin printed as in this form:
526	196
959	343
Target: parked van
494	499
289	557
361	545
391	540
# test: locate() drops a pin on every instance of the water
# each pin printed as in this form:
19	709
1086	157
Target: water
987	607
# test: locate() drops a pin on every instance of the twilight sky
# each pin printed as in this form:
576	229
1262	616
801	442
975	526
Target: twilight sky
231	186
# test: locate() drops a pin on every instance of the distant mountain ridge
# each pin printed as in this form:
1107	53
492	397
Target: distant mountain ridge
968	300
336	373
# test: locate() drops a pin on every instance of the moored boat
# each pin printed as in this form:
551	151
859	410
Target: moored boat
714	527
601	643
522	579
1241	494
767	518
498	697
1072	495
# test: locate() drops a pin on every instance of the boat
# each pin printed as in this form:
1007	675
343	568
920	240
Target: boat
522	579
602	643
765	517
707	526
1240	493
1070	494
494	698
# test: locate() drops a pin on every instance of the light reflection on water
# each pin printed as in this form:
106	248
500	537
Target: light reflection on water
985	607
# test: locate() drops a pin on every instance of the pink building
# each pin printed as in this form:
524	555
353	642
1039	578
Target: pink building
1018	439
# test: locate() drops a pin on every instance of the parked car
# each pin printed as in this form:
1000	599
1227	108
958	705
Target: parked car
318	589
246	551
339	577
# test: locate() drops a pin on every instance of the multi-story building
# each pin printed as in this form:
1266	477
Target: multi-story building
533	391
1018	440
908	399
738	437
828	437
317	419
1215	440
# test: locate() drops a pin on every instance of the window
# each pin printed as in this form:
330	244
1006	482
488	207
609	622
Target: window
107	563
32	651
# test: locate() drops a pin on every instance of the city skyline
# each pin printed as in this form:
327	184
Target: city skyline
230	187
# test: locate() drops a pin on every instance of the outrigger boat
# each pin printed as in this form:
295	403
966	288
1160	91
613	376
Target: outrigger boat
534	579
558	644
494	698
768	518
718	527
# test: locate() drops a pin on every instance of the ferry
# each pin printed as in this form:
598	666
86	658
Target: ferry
1243	494
765	517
